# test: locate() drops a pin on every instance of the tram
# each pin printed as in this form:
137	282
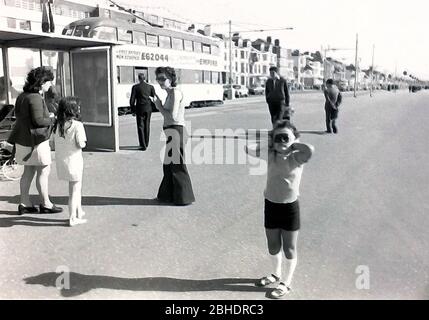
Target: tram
142	48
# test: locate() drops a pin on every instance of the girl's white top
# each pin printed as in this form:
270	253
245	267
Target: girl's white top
283	178
175	114
68	151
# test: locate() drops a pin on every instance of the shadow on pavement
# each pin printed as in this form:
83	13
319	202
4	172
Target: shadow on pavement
31	222
312	132
91	201
81	283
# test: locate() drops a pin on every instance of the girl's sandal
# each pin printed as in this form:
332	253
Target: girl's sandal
265	281
279	292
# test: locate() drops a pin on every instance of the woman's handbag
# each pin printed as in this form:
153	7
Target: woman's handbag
38	135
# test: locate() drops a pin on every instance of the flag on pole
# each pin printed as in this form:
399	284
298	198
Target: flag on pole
51	16
45	18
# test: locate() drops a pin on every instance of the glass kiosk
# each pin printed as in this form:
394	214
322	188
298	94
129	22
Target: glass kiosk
82	68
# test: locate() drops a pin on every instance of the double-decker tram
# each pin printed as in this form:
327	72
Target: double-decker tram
141	48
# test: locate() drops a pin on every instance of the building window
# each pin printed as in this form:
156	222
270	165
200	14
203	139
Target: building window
243	81
236	66
206	48
139	38
264	69
197	46
152	40
242	54
243	70
215	50
264	57
165	42
188	45
177	43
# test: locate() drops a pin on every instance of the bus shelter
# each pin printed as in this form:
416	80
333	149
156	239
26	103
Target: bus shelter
82	67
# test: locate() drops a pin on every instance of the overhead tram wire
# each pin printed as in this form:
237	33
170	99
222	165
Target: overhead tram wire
182	18
130	11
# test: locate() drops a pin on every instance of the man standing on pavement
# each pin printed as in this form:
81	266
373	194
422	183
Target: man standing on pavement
277	96
333	99
141	108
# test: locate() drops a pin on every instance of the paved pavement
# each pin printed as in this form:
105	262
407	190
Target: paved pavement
363	198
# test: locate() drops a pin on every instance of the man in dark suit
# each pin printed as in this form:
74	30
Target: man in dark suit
277	96
141	107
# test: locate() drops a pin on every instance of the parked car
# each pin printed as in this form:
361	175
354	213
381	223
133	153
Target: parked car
256	90
241	90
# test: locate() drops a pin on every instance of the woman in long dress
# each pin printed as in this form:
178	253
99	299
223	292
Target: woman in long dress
176	185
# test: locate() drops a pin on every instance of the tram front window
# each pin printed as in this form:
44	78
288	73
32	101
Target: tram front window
82	31
104	33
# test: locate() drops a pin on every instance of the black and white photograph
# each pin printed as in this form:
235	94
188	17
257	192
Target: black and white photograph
225	150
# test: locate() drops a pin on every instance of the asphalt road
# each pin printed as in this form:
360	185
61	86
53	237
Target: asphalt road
364	205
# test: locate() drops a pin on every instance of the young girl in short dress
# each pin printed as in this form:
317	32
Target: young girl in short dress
286	159
70	139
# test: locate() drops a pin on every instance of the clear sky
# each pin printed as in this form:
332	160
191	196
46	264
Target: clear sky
398	29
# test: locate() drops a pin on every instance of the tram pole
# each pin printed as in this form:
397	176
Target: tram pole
230	61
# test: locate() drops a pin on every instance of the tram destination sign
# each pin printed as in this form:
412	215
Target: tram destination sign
153	57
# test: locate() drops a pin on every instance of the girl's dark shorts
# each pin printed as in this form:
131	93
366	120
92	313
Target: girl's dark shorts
282	215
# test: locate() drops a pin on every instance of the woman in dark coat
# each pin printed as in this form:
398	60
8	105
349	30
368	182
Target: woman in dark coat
31	138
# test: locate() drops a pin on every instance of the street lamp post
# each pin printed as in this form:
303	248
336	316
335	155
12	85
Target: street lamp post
372	71
356	67
230	62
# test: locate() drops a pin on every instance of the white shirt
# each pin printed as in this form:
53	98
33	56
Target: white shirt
68	151
283	178
173	104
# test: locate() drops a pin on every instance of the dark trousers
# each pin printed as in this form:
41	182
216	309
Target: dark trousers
276	111
143	128
331	116
176	185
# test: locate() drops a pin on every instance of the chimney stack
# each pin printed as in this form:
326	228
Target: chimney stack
208	30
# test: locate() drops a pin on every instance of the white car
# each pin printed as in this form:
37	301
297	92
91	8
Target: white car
238	91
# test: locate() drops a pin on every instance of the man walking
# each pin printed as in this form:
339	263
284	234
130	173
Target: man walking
333	99
141	107
277	96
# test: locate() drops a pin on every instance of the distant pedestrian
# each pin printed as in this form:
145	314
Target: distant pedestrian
176	186
277	96
286	159
141	107
70	139
333	99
